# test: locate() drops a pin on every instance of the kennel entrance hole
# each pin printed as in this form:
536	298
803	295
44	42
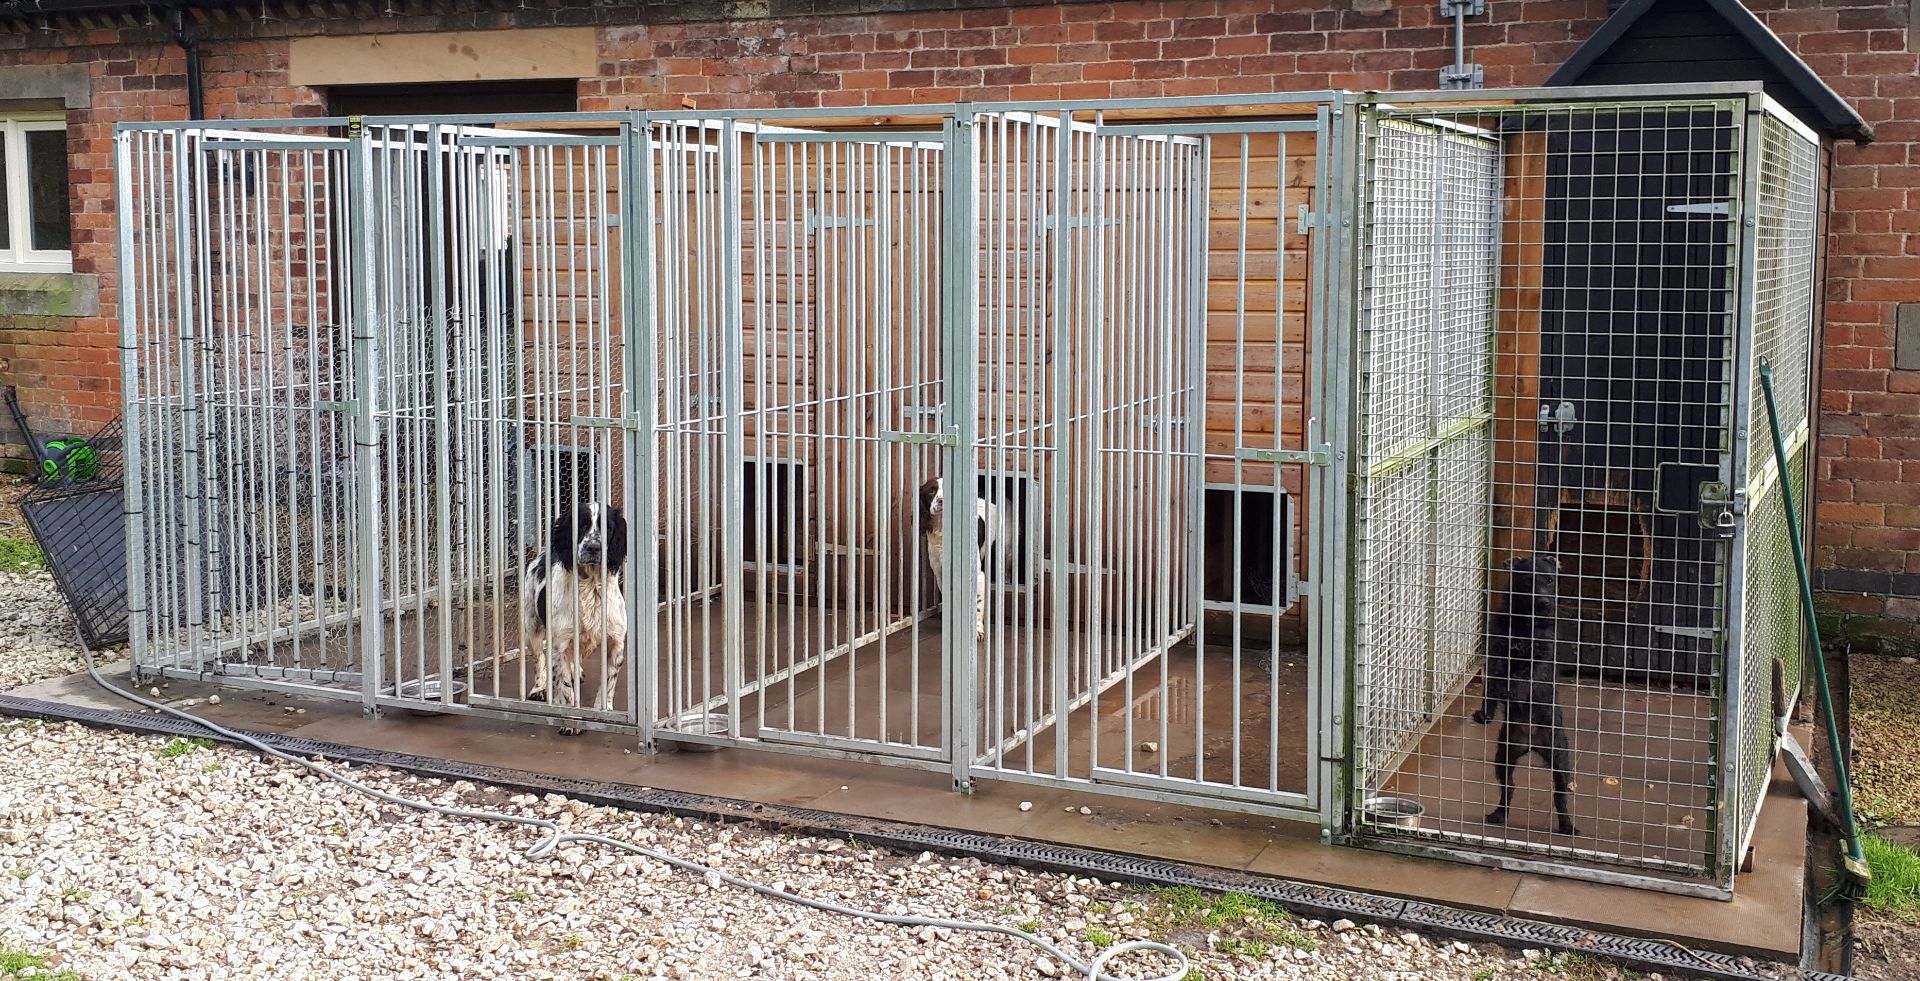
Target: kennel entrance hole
1605	548
1259	562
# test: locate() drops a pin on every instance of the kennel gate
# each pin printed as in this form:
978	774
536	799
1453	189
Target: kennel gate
1206	359
362	343
1614	270
834	386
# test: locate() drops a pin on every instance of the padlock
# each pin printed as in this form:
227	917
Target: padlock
1723	525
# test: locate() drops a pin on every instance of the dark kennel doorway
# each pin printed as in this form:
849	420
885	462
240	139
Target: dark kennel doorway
1636	375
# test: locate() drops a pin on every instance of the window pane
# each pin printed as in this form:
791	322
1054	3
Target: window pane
47	189
6	197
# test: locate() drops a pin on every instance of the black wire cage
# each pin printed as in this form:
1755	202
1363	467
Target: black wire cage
77	513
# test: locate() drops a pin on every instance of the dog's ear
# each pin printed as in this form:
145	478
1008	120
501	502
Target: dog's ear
615	536
561	535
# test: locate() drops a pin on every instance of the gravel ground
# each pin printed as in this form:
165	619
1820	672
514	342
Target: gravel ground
1886	791
138	857
37	638
1886	759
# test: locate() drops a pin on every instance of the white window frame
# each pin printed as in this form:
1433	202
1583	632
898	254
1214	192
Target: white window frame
21	256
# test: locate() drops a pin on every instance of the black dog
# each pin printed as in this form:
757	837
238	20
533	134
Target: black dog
1522	674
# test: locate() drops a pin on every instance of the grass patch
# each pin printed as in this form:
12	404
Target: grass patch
1583	967
1484	974
519	895
1029	926
1257	923
21	555
1895	889
571	941
19	965
177	747
1097	939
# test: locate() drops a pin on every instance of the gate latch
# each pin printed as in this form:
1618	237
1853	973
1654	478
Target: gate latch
1319	456
949	438
1720	510
1560	419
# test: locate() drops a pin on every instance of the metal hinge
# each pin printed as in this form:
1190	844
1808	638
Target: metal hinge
1319	456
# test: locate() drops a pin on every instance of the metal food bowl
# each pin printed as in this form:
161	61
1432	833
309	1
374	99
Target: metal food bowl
1397	812
428	689
703	724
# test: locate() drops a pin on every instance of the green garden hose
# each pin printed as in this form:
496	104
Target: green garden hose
1852	859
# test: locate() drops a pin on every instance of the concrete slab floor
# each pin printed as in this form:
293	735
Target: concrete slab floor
1763	919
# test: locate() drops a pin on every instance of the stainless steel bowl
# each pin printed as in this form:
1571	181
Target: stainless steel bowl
1397	812
428	689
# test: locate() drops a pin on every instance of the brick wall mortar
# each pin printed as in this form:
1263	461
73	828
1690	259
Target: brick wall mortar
869	52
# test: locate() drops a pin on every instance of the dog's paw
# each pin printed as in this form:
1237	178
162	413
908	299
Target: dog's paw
1482	716
537	695
569	731
1567	828
1497	816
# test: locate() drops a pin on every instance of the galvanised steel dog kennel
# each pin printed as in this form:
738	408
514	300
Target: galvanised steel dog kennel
1257	424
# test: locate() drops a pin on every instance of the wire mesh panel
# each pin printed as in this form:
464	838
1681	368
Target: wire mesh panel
1547	397
1426	388
1772	638
76	513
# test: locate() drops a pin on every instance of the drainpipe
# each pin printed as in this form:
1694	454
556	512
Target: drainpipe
196	92
1461	74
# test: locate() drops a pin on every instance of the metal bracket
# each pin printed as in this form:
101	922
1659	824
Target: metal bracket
949	438
1319	456
1468	76
1076	221
606	422
1309	220
348	405
1465	8
817	221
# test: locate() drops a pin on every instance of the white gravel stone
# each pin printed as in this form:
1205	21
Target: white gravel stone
130	865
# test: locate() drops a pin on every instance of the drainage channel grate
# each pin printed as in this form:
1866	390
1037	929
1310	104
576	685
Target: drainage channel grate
1319	902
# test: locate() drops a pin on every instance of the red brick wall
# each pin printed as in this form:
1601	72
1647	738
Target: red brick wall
1868	535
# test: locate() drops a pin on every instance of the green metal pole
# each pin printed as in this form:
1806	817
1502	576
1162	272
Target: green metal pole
1854	859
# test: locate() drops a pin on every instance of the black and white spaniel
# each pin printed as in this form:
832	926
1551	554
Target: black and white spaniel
987	531
573	603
